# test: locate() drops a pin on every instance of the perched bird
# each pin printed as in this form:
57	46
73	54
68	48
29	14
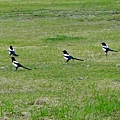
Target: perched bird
69	57
106	48
17	64
12	51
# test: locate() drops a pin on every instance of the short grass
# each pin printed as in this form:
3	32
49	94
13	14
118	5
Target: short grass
53	90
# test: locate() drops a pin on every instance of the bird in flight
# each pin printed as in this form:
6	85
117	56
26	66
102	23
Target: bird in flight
11	51
105	48
69	57
17	64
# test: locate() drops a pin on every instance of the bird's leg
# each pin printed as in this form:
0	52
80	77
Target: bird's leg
67	60
16	68
106	54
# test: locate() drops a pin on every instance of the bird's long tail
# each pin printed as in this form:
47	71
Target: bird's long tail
113	50
15	54
26	68
78	59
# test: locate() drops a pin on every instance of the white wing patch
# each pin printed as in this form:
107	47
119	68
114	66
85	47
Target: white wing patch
65	56
15	63
9	50
104	48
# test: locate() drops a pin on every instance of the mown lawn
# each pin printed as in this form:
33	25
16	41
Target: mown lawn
54	90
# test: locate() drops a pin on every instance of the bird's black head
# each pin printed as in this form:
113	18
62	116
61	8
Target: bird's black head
65	52
103	44
13	59
11	47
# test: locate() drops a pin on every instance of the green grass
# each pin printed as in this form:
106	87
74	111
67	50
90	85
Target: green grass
53	89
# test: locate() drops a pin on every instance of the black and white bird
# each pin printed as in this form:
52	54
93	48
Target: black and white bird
11	51
17	64
69	57
105	48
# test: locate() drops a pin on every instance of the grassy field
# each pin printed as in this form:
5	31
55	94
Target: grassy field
53	90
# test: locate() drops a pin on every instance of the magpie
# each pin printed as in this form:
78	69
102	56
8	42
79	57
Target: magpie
12	51
106	48
69	57
17	64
